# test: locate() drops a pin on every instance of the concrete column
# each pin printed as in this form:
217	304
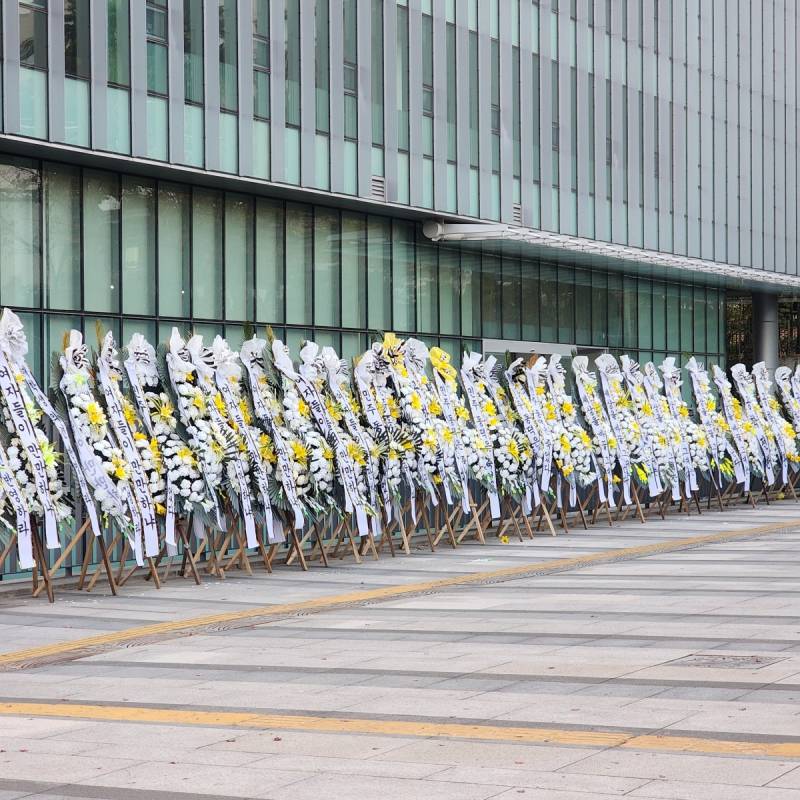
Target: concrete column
765	329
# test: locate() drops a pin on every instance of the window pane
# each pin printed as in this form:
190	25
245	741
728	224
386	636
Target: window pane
293	62
326	267
119	42
298	263
530	301
354	266
470	293
566	305
228	96
512	290
449	280
174	227
659	316
379	259
76	38
193	51
322	65
630	302
583	307
62	240
238	257
403	294
100	241
548	294
269	261
491	296
138	246
33	102
599	309
206	254
32	38
156	68
20	244
427	281
615	311
699	313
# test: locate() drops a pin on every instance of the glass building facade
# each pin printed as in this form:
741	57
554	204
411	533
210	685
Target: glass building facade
214	163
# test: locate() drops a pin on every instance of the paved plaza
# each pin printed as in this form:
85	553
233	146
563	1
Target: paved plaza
643	661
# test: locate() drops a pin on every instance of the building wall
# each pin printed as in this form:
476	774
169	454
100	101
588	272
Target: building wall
79	245
666	124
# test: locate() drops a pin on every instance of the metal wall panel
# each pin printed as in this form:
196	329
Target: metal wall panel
679	120
485	117
364	12
633	86
780	79
211	79
706	132
585	135
175	75
693	165
55	72
619	211
415	102
665	123
99	71
277	95
790	221
757	136
732	132
506	118
10	13
720	159
390	99
564	119
336	17
602	130
308	92
649	142
546	19
745	140
138	31
768	141
526	111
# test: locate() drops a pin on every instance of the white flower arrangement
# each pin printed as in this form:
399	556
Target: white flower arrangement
742	430
395	438
785	435
180	466
105	467
722	452
311	450
574	442
421	409
206	442
513	454
659	434
265	396
604	440
755	418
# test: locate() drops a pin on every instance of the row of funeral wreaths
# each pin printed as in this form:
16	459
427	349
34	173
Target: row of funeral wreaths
209	433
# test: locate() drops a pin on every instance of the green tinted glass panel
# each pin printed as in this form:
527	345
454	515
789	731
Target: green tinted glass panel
270	288
20	249
207	254
174	253
138	246
101	209
62	241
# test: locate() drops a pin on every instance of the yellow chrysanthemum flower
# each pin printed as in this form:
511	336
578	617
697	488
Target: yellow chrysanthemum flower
95	414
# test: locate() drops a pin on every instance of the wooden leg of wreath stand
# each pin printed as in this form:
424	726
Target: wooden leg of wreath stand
351	537
263	551
426	521
41	560
64	555
401	526
337	538
294	543
12	540
386	535
639	511
294	552
475	521
187	552
447	527
319	542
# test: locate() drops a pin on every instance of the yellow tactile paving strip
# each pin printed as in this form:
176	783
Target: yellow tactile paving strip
77	648
520	735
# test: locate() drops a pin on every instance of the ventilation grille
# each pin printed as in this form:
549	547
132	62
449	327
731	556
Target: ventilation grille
516	213
377	187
